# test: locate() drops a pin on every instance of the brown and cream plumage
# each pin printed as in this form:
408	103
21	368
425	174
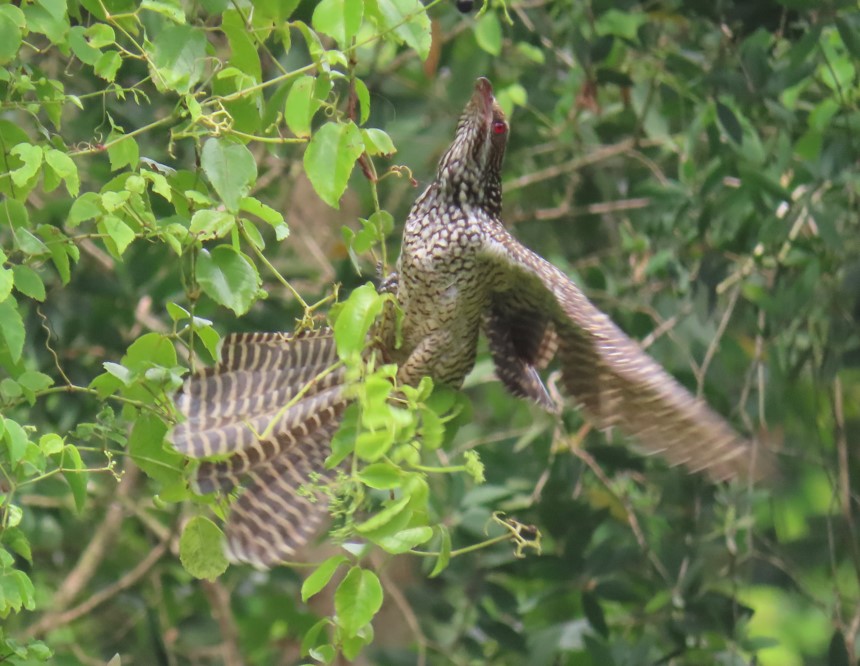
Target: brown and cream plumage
275	400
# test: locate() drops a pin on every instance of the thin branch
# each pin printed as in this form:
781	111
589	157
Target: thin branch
100	542
50	622
632	520
577	163
566	210
715	342
219	603
405	608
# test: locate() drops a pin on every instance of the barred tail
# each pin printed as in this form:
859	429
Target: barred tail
272	405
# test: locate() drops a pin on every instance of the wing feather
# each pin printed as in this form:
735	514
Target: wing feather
612	379
272	404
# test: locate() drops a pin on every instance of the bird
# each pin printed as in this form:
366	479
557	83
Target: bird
262	419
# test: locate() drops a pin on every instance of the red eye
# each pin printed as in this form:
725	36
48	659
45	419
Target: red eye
500	127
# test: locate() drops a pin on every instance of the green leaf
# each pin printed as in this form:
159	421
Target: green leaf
265	213
146	445
10	389
75	474
201	549
32	157
624	24
86	207
118	232
7	279
377	142
112	201
488	33
848	33
51	443
371	445
177	312
208	224
49	18
17	541
28	282
228	277
178	60
65	168
12	328
150	349
330	157
171	10
343	441
594	613
11	21
303	101
242	45
405	540
107	65
16	440
100	35
357	599
355	319
339	19
122	151
61	249
730	123
432	429
159	184
382	476
408	19
444	552
321	576
363	95
33	382
210	339
383	517
231	169
119	371
837	654
84	51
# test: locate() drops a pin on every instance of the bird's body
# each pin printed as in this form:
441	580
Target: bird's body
442	293
460	272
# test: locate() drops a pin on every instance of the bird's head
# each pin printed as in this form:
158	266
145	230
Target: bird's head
470	170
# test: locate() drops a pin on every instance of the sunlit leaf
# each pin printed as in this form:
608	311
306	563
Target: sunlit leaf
228	278
357	599
231	169
321	576
330	157
201	549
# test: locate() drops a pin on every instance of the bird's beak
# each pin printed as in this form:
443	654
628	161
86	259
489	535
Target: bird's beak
482	101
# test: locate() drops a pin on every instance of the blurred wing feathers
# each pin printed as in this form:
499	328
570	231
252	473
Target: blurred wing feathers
272	405
258	375
272	519
612	379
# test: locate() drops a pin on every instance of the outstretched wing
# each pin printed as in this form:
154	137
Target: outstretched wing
271	405
608	375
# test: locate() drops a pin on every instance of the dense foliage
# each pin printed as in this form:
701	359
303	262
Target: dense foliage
172	171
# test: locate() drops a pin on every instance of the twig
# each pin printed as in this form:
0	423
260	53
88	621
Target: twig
409	616
566	210
632	520
715	342
219	602
100	597
94	553
577	163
